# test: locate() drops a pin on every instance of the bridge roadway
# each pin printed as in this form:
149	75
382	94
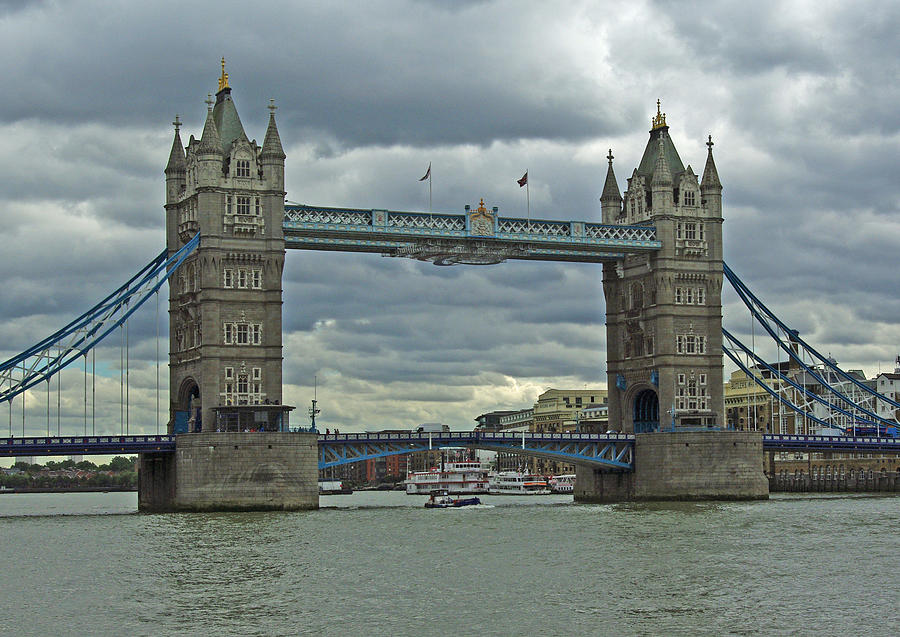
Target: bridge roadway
611	451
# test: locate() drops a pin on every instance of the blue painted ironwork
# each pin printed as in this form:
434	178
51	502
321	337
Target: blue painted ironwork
81	445
446	239
782	442
612	451
763	315
736	344
46	358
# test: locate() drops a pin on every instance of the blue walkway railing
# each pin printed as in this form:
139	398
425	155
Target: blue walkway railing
83	445
614	451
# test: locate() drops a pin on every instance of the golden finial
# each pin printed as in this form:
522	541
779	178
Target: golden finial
481	207
223	81
660	120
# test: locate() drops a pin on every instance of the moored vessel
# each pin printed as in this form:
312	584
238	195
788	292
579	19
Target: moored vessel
562	483
517	483
457	478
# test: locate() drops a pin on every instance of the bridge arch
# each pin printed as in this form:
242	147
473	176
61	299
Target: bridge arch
644	408
187	408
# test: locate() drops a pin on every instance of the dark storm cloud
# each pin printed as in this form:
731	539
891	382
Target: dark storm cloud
800	98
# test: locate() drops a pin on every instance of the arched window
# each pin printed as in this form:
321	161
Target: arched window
637	296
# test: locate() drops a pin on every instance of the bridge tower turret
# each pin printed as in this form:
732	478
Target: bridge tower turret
664	311
225	301
610	200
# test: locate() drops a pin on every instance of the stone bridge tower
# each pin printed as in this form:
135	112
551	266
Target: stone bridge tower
225	300
664	310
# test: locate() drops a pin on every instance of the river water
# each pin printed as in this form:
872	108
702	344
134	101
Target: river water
379	563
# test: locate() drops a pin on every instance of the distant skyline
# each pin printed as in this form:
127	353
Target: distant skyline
800	99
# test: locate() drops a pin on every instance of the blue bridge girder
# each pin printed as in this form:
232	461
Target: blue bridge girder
447	239
787	442
609	451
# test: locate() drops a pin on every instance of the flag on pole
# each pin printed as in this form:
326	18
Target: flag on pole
427	173
523	180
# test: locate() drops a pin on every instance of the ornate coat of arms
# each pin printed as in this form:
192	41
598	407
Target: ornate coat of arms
481	222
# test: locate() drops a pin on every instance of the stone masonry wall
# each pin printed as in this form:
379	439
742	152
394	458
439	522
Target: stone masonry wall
714	465
253	471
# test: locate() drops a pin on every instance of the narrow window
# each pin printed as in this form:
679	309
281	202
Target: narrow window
242	278
258	212
229	372
229	333
257	333
257	279
701	296
689	296
228	278
228	205
242	334
679	298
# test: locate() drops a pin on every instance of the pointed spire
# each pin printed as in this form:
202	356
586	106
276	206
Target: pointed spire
176	163
209	141
710	174
272	143
611	187
662	175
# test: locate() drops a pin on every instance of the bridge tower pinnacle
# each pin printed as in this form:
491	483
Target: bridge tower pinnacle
664	310
225	300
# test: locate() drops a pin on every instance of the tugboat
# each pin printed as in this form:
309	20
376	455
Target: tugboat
440	499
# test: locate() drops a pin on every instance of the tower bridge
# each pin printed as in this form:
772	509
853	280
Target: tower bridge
227	231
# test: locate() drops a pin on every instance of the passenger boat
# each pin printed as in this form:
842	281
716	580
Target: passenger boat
458	478
517	483
333	487
562	483
442	500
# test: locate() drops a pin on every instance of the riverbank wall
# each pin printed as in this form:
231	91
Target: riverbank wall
850	482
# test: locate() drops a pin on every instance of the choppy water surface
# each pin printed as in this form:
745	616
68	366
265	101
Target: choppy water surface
379	563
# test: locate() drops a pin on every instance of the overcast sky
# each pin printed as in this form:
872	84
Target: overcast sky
800	98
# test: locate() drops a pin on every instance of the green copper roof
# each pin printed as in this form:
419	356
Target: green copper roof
226	117
651	152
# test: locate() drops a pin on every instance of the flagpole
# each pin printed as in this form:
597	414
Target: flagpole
528	200
429	188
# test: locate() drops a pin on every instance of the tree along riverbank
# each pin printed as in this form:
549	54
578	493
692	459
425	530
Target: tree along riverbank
119	475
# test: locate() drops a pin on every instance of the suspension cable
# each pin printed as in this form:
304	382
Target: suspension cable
85	393
58	403
157	362
122	382
93	391
752	302
127	372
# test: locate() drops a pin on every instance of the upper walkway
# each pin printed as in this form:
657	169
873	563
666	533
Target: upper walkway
477	237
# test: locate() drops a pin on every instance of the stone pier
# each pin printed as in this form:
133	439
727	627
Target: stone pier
696	465
253	471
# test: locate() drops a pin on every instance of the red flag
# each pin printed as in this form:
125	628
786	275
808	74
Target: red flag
523	180
427	173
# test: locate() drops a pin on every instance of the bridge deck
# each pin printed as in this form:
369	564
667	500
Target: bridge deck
453	238
561	446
